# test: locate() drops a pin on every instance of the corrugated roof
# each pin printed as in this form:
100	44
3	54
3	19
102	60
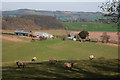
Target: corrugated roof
41	33
22	31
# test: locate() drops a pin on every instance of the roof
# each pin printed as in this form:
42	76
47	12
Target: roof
42	33
22	31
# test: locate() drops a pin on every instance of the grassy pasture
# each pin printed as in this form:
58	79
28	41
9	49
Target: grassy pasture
91	26
62	50
83	69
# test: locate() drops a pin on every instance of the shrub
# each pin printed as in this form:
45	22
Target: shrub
105	38
77	38
83	34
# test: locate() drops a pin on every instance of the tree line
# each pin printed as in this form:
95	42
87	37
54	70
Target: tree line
30	22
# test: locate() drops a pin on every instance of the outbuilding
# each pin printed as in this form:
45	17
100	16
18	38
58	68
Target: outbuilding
22	32
47	35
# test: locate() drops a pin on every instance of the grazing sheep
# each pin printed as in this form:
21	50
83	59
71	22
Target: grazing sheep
53	60
91	57
69	65
34	59
23	64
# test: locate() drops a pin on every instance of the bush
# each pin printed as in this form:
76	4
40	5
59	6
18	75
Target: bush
77	38
83	34
105	38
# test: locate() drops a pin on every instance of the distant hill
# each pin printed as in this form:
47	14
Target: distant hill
30	22
60	15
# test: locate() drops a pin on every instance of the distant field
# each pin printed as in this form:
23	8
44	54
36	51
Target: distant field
63	50
79	26
91	26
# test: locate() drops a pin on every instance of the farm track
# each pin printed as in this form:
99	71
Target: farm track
109	44
14	39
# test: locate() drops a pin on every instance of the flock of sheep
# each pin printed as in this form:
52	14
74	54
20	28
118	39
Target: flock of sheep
52	61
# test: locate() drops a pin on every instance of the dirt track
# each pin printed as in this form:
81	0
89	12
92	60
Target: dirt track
11	38
116	45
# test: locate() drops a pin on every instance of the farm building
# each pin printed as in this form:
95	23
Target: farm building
47	35
22	32
72	35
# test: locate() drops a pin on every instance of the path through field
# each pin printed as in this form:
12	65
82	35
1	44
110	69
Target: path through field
11	38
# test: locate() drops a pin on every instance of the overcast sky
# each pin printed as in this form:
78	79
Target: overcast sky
53	0
53	5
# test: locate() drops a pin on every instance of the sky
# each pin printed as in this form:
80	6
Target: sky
53	0
53	5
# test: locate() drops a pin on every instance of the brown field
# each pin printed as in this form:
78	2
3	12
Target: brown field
96	35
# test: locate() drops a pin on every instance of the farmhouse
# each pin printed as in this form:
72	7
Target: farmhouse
47	35
22	32
72	35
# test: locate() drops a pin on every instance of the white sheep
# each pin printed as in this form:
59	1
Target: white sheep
34	59
91	57
53	60
23	64
69	65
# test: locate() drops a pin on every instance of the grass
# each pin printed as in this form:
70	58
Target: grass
91	26
83	69
54	32
63	50
51	31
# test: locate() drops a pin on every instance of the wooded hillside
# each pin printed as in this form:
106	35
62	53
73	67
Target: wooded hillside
68	16
30	22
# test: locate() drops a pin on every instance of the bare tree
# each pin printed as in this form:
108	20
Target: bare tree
105	38
112	8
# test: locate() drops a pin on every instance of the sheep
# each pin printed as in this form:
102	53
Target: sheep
91	57
53	60
34	59
23	64
69	65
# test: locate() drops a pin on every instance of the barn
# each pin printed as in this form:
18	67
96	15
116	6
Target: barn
47	35
22	32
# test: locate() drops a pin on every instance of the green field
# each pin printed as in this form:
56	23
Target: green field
64	51
91	26
43	50
84	69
